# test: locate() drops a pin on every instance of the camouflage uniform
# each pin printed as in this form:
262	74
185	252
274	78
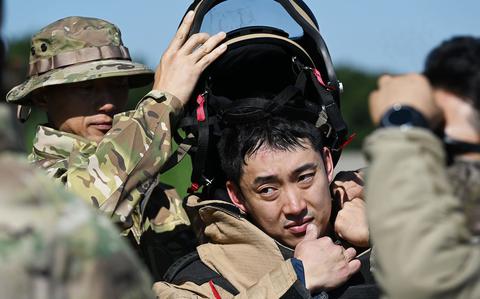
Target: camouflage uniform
52	245
116	174
8	134
119	174
77	49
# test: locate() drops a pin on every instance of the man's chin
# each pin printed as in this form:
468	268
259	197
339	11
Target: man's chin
292	241
95	136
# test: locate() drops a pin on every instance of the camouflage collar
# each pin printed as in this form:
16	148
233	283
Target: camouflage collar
51	142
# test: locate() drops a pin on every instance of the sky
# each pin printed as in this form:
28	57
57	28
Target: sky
373	35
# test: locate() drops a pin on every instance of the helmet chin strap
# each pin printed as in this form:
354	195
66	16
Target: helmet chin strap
456	147
23	113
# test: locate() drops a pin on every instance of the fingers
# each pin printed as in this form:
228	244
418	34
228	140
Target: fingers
311	233
211	57
354	266
349	253
384	79
344	176
373	106
340	196
194	43
185	59
347	186
182	32
208	46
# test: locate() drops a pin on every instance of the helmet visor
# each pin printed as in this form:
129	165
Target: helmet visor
232	15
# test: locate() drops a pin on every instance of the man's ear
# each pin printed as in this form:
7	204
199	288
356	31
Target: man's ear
236	196
328	163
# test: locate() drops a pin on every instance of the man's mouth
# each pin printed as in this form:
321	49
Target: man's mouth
299	227
102	125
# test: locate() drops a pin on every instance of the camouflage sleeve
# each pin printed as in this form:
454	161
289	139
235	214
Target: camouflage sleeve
53	245
126	162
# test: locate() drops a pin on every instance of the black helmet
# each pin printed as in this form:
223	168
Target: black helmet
276	64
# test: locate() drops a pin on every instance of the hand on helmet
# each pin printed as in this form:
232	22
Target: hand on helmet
185	59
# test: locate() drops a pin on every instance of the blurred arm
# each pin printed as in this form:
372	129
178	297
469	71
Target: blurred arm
417	225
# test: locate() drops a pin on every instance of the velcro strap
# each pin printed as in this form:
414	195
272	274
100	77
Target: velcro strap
79	56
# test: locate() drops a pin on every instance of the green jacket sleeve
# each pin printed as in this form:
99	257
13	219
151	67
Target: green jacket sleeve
418	228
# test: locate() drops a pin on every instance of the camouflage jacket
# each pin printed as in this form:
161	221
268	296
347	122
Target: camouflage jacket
54	246
118	174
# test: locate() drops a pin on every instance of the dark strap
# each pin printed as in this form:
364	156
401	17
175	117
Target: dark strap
245	111
333	112
456	147
254	109
190	268
191	122
289	93
327	100
202	146
178	155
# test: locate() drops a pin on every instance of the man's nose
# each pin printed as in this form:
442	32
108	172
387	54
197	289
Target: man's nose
106	102
295	203
107	107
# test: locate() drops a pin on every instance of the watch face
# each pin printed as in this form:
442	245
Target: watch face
403	116
400	117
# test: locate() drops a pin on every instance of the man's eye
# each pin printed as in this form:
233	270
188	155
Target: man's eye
306	177
267	191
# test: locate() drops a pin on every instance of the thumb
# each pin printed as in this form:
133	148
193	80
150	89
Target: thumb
311	233
354	266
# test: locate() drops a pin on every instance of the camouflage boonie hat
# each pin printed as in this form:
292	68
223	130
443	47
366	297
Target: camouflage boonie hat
76	49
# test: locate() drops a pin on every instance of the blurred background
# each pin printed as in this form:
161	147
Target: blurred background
365	39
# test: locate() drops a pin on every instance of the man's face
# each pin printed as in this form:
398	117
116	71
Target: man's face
284	191
86	108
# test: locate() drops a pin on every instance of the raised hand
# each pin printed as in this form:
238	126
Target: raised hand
185	59
326	264
411	89
351	220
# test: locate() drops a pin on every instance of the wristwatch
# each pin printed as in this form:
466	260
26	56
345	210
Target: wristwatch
403	116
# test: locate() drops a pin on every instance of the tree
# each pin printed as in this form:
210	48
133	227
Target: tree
354	102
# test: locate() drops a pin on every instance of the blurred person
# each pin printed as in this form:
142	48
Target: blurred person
423	214
80	73
52	245
275	239
454	68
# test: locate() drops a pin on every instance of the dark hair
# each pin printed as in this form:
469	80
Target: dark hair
241	141
455	66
